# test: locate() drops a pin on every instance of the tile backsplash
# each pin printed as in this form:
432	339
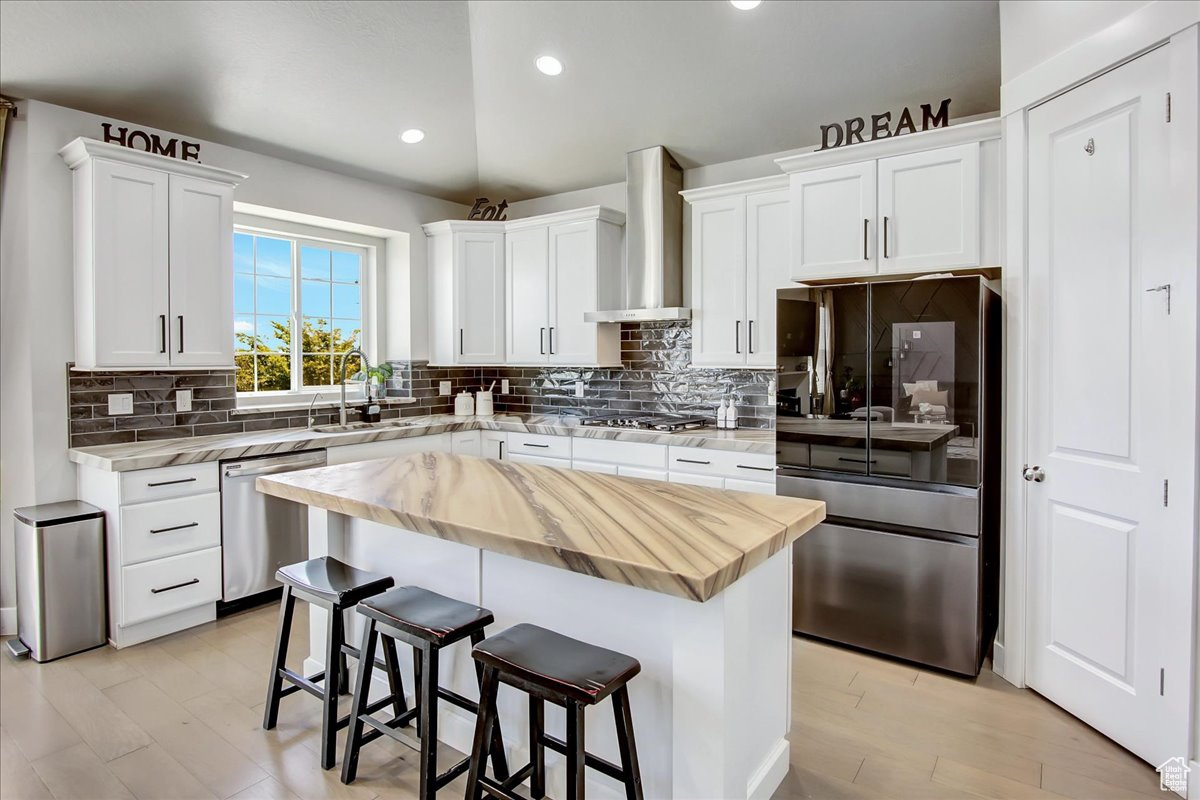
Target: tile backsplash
653	377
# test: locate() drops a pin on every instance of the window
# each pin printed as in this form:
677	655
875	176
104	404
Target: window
298	306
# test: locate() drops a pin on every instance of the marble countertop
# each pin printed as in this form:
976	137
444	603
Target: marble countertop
681	540
167	452
853	433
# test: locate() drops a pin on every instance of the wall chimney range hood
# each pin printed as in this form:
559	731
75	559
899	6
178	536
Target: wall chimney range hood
653	241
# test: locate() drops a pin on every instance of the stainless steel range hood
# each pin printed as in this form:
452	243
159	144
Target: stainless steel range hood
653	241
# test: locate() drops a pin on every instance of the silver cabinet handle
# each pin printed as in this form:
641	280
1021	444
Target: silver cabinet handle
175	528
1034	474
691	461
172	483
175	586
181	333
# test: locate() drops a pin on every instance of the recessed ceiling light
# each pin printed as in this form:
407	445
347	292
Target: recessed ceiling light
549	65
412	136
745	5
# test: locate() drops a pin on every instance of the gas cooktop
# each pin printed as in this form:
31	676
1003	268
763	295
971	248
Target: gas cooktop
649	422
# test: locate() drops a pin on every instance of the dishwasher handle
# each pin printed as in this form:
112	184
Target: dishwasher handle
247	469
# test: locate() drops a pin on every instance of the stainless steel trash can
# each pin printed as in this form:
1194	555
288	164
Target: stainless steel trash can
61	606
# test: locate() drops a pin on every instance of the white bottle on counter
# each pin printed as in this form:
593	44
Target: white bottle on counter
723	415
464	404
731	417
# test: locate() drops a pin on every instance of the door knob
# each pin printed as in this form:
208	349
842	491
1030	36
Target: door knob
1035	474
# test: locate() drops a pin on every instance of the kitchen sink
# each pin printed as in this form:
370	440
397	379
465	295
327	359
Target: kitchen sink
363	426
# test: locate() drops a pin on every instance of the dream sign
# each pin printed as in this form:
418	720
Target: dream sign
851	131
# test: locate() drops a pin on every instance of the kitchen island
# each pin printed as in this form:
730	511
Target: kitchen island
693	582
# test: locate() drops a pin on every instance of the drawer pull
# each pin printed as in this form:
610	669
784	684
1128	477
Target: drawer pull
531	444
175	528
691	461
176	586
172	483
858	460
758	469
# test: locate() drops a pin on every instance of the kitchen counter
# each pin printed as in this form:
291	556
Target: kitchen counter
672	538
167	452
853	433
693	582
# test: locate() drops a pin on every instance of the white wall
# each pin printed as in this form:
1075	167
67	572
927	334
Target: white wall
1032	31
36	304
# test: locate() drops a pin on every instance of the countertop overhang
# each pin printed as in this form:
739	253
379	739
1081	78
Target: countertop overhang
681	540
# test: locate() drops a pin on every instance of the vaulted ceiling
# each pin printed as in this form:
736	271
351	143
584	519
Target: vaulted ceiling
333	83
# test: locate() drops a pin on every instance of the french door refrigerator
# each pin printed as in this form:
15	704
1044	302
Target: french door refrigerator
888	406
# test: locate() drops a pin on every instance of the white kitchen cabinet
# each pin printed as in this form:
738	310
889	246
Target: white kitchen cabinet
929	209
388	448
466	443
640	472
561	266
539	461
722	469
897	206
707	481
153	259
594	466
740	257
493	444
467	292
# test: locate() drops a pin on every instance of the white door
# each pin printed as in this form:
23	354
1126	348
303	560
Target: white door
528	282
201	324
130	255
479	297
719	281
572	292
1109	567
929	210
834	214
768	265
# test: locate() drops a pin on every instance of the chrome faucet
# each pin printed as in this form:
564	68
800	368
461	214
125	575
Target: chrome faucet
312	420
342	376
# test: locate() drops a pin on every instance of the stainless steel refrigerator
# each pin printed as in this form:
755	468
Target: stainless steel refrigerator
888	409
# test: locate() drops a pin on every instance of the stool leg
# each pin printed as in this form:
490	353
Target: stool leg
499	759
362	692
343	669
395	682
429	720
275	685
417	686
329	714
483	741
537	750
625	743
576	759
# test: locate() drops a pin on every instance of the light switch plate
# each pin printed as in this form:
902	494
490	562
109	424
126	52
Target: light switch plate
444	387
120	404
504	386
183	400
579	388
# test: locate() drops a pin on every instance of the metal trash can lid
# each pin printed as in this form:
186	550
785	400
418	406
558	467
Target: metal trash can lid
57	513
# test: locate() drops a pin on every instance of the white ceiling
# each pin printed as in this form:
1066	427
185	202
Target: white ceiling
333	83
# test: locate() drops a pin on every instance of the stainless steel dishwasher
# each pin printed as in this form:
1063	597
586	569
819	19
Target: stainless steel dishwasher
259	533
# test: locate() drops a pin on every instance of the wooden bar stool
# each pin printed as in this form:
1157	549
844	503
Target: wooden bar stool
428	622
334	586
549	666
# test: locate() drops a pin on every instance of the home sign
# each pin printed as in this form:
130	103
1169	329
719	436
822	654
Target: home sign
483	211
152	143
837	134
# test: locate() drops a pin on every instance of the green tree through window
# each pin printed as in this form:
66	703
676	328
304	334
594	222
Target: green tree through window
275	368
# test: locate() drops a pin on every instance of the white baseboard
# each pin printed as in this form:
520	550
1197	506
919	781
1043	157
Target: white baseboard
1193	787
766	779
8	621
999	663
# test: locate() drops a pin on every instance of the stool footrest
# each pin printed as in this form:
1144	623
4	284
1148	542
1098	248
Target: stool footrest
595	762
495	788
300	682
457	699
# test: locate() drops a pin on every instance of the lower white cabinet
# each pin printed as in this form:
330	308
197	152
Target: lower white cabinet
722	469
169	527
466	443
539	444
709	481
493	444
594	466
541	461
163	587
389	448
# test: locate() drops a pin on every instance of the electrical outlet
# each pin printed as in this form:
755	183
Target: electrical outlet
579	388
504	386
183	400
120	404
444	387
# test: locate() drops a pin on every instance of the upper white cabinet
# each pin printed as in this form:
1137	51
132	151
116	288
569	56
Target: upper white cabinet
740	256
905	205
153	259
467	282
528	294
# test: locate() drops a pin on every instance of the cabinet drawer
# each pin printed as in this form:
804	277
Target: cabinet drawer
702	461
710	481
855	460
142	485
541	461
640	472
170	527
466	443
539	444
166	585
756	487
635	454
594	466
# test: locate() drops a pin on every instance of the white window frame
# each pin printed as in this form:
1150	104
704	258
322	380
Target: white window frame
370	251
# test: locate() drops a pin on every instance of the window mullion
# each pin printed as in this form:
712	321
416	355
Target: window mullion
297	325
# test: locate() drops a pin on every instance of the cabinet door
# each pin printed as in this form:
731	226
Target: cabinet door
201	324
833	214
572	292
640	472
719	327
129	302
528	293
594	466
929	209
466	443
479	295
493	443
768	267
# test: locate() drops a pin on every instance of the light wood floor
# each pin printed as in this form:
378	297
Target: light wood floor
180	718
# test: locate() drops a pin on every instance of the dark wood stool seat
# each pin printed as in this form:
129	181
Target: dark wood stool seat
428	622
334	586
570	673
